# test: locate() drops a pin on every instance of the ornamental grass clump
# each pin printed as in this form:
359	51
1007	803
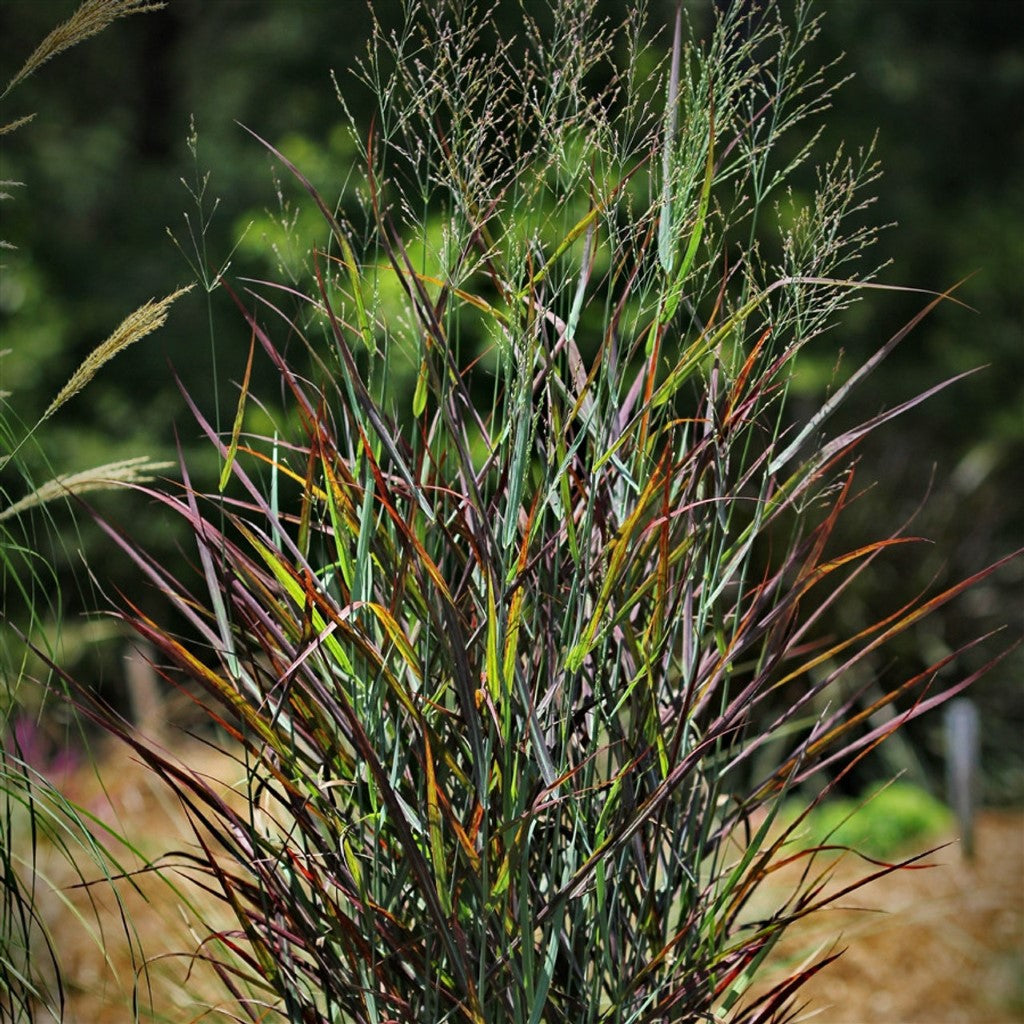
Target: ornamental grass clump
517	618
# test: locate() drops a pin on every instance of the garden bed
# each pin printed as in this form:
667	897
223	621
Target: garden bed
935	946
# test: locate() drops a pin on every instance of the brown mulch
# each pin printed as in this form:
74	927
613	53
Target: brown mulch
134	939
942	945
938	946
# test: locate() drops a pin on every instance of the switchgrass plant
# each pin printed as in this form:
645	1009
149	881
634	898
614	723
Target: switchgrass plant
518	618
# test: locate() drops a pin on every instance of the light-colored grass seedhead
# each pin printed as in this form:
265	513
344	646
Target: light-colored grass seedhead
148	318
89	19
136	470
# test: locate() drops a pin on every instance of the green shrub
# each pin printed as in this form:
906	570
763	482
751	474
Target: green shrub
884	821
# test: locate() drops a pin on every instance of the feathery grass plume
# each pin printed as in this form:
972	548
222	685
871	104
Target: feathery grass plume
137	470
91	18
13	126
145	320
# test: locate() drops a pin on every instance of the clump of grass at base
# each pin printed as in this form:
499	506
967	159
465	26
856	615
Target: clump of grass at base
503	646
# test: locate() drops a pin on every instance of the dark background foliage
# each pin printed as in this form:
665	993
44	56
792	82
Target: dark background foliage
941	82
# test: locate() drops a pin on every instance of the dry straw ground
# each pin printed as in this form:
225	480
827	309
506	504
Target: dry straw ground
943	945
87	923
935	946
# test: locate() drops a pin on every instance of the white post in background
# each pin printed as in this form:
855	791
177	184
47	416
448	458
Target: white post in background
962	763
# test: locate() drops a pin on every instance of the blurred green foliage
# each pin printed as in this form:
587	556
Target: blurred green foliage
882	822
103	167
